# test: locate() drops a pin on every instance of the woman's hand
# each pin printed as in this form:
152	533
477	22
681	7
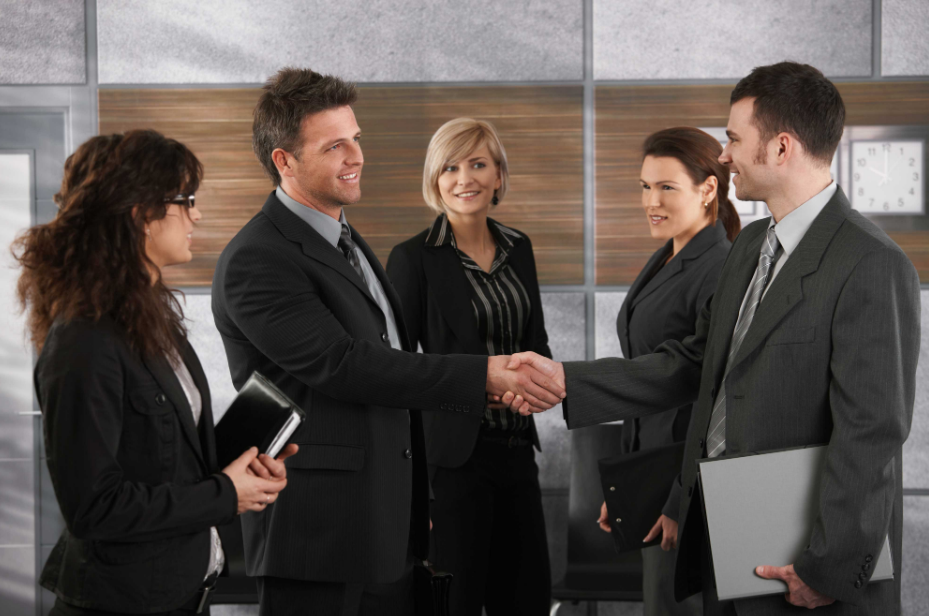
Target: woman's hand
254	493
668	529
604	519
267	467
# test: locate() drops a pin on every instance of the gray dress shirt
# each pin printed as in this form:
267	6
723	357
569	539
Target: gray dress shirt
331	230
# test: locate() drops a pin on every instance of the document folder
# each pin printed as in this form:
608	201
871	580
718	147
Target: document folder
760	510
635	487
260	416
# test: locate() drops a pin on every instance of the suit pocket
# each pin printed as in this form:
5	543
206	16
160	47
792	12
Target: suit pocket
150	401
792	335
328	457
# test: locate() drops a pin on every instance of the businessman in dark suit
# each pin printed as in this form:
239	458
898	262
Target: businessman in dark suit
299	296
811	338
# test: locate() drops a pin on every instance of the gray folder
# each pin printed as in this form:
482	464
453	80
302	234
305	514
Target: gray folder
760	510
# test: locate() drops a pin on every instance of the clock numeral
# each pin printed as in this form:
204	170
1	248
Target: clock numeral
857	176
872	151
886	147
901	151
886	206
861	192
915	176
912	191
862	162
912	162
872	202
900	202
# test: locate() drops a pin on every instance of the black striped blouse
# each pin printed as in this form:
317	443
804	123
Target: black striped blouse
501	305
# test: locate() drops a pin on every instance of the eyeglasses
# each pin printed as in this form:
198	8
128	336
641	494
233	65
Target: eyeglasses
186	200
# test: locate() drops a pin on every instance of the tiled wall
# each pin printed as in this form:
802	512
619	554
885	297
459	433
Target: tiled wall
84	45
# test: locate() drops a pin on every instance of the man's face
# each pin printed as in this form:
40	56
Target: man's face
745	154
327	167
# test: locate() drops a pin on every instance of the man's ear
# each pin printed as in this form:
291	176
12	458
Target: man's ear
282	161
787	147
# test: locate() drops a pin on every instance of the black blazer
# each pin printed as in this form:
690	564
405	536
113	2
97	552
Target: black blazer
288	304
663	304
136	480
437	310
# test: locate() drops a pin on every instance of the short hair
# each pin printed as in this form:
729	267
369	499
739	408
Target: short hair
453	141
797	99
290	96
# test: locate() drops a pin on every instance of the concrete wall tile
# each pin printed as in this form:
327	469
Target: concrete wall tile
17	581
42	41
915	555
607	309
904	45
916	448
206	341
215	41
716	39
52	524
17	502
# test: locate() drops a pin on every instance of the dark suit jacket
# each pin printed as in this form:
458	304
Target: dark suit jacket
666	305
436	298
830	358
288	304
137	482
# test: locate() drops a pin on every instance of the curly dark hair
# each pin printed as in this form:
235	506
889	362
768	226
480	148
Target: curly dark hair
90	261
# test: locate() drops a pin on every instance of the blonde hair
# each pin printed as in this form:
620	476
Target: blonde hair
453	141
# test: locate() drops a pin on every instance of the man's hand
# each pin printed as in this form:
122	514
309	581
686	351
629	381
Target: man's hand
668	529
536	390
798	593
604	519
272	469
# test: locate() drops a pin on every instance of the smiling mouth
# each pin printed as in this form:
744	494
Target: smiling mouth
468	195
349	177
657	220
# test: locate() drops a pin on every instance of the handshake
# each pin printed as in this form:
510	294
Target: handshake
524	382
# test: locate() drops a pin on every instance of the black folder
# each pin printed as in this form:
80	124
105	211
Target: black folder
635	488
261	415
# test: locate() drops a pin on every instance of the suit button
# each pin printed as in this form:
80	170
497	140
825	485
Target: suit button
619	520
861	576
865	566
858	584
385	337
701	443
612	488
160	399
408	454
868	558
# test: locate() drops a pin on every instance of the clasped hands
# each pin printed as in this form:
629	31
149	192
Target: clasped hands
524	382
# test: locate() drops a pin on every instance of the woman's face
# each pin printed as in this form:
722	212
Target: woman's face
168	240
467	185
673	203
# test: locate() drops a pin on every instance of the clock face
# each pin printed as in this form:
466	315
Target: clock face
887	177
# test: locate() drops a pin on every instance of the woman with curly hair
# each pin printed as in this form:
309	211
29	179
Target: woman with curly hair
128	425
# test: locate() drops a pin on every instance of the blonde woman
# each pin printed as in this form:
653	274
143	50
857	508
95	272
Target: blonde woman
468	285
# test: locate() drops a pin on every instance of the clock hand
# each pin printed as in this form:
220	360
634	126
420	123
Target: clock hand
877	172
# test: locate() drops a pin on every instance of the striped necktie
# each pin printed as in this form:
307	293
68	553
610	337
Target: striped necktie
347	246
770	249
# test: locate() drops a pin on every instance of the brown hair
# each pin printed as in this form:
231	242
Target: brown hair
797	99
290	96
90	262
699	153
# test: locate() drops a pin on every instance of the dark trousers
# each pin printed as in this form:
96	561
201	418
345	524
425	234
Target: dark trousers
489	532
284	597
63	609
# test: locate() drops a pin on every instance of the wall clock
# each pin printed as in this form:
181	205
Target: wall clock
887	176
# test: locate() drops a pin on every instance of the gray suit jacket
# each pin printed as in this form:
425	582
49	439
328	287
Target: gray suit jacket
830	358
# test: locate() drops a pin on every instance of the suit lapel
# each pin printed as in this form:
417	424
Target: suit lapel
670	270
167	380
451	291
313	244
205	428
786	292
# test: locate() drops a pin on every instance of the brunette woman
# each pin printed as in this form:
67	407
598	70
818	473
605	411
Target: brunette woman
128	425
468	285
685	202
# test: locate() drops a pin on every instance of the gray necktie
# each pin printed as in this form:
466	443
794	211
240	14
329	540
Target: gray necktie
347	246
716	439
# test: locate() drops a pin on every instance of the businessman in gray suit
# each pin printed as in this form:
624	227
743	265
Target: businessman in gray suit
811	338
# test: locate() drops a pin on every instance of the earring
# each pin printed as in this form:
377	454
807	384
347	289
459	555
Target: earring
148	232
495	201
706	205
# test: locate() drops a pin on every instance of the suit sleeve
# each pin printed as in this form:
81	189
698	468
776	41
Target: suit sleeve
613	388
406	278
80	388
875	347
283	314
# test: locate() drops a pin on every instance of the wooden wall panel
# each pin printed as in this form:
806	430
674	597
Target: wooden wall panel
541	128
625	116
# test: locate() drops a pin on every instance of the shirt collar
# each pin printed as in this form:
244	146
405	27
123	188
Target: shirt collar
794	226
440	234
325	225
